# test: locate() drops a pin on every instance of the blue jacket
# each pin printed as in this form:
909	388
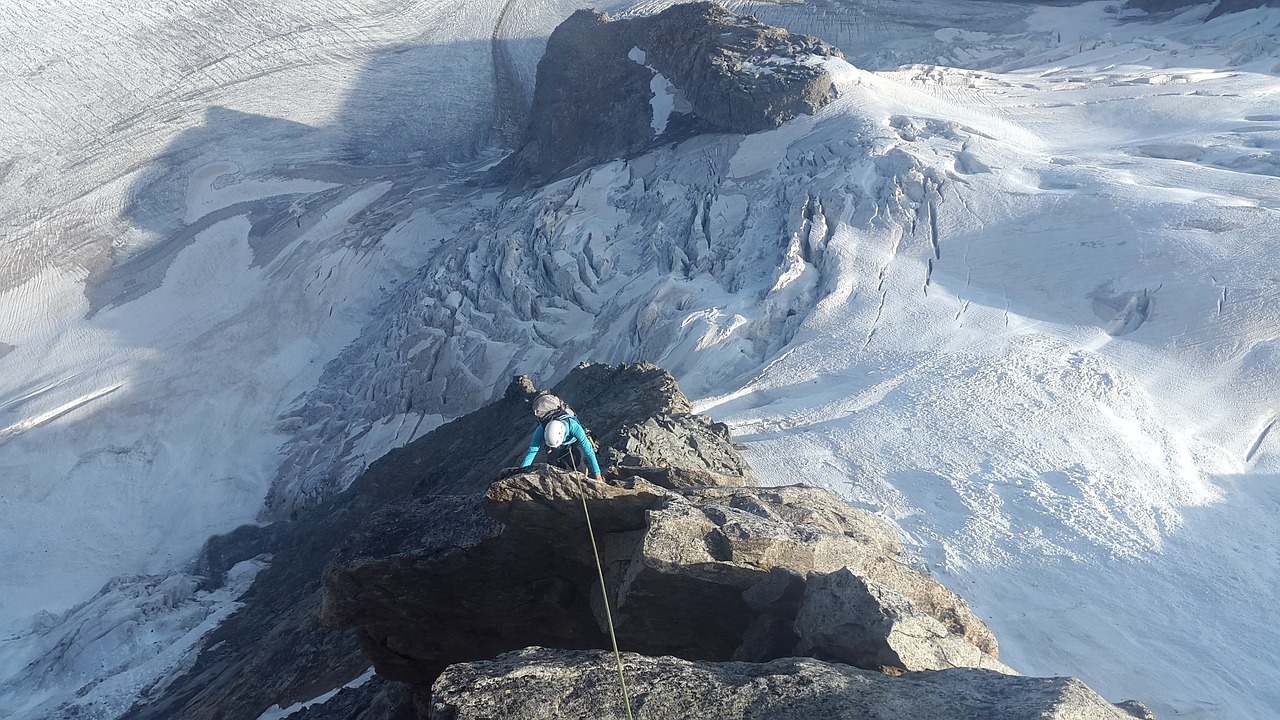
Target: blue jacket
576	435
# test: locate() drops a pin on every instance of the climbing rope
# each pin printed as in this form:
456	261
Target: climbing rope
604	594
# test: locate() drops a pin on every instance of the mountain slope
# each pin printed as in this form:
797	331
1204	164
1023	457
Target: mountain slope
1023	309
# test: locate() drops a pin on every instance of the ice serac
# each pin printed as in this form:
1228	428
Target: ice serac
539	683
594	99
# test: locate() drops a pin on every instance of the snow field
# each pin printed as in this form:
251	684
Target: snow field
85	420
1066	462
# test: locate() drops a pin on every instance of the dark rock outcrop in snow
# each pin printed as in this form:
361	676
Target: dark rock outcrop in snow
274	650
424	495
376	699
538	684
610	88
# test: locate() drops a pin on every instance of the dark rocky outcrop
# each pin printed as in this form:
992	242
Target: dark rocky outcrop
1159	6
1226	7
538	684
424	495
222	552
677	450
593	90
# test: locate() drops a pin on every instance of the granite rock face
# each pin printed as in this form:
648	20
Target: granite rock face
612	88
424	498
538	683
728	573
700	573
856	620
676	450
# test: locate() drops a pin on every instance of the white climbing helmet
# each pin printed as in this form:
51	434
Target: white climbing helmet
555	432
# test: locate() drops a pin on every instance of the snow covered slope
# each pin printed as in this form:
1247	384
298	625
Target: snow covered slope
1020	301
196	220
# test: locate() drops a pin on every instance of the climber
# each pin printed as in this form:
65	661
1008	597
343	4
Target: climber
569	445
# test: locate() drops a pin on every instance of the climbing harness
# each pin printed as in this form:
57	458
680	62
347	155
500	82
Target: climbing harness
604	594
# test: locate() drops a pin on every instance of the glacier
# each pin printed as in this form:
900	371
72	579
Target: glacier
1013	290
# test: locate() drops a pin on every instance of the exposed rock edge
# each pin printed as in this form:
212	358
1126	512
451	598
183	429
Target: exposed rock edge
538	684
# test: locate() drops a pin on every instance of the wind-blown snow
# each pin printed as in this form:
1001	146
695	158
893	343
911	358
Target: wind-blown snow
1013	291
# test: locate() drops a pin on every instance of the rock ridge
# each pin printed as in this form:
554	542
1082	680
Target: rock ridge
424	497
443	571
707	585
704	574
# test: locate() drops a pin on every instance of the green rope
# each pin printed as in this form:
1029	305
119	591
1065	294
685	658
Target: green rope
604	594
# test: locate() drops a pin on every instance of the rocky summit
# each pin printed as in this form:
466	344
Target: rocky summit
609	88
472	587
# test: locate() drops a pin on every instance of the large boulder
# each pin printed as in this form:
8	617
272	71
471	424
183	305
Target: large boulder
613	88
700	573
538	684
707	562
855	620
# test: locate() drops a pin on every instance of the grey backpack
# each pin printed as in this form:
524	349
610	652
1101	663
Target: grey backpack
548	407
